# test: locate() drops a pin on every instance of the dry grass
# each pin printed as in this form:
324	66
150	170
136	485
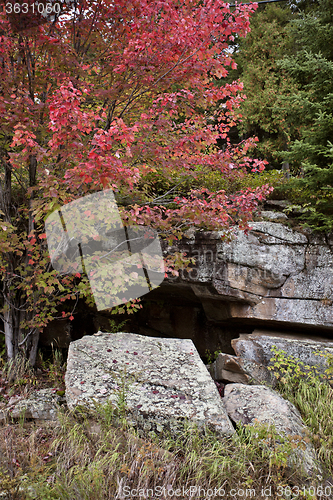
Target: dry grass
94	456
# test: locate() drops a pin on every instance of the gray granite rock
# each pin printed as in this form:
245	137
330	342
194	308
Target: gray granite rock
41	404
248	404
272	274
269	214
163	381
227	368
254	352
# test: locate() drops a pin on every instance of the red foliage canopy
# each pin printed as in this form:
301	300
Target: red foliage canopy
123	95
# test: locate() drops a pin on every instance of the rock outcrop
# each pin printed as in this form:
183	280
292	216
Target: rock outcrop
272	274
257	404
162	382
273	277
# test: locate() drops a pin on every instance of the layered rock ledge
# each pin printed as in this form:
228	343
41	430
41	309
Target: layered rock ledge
272	275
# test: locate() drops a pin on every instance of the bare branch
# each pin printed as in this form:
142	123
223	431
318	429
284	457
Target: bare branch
32	331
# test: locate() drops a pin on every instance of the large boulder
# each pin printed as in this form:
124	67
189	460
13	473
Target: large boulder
162	382
257	404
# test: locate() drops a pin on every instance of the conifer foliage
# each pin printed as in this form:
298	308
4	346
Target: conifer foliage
265	111
311	108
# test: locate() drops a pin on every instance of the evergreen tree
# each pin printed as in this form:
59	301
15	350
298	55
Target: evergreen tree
265	112
311	108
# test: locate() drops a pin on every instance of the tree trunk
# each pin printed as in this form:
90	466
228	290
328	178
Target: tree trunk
9	333
285	164
32	347
32	340
12	318
16	339
8	312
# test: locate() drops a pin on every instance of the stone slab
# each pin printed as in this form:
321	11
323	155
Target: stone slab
164	380
41	405
258	348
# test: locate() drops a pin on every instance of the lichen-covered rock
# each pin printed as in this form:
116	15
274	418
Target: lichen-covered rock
41	404
248	404
254	352
162	381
